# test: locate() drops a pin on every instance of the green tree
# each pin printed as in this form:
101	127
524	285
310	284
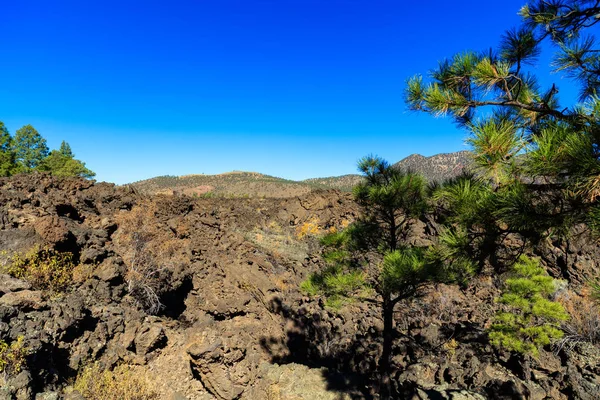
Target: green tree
374	252
30	148
542	158
65	150
62	163
532	320
7	156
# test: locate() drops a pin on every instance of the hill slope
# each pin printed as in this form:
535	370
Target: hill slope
438	167
232	184
253	184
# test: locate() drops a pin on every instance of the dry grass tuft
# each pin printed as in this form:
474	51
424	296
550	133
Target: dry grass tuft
122	383
584	322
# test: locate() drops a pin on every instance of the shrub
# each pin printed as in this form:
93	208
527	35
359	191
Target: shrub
451	346
584	322
309	228
119	384
13	356
149	253
532	319
44	269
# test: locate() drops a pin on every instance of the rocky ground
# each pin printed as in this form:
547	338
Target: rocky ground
228	320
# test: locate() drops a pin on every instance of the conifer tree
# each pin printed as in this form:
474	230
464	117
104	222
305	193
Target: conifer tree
7	156
374	252
62	163
532	319
541	157
536	161
65	150
30	148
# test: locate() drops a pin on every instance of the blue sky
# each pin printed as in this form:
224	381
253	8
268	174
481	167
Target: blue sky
292	88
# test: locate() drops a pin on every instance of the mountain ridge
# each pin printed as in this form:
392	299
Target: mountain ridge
255	184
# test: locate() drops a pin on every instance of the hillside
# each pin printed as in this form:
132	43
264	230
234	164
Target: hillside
253	184
344	183
232	322
232	184
438	167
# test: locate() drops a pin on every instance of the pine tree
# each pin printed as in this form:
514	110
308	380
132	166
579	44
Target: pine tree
542	158
65	150
532	320
373	252
62	163
30	148
7	156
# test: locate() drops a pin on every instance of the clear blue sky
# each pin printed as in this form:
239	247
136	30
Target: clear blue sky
292	88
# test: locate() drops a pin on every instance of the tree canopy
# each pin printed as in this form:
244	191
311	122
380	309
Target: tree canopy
542	157
30	148
536	162
7	155
536	174
373	258
28	152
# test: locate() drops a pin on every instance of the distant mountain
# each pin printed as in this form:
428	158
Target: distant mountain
252	184
438	167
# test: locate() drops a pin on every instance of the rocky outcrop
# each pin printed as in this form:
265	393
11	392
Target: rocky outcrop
233	323
439	167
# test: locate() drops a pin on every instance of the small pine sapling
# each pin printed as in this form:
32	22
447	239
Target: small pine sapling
531	319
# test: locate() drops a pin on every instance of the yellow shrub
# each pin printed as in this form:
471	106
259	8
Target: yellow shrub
451	346
119	384
12	358
309	228
44	269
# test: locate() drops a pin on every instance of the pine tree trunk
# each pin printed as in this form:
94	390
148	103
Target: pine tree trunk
385	383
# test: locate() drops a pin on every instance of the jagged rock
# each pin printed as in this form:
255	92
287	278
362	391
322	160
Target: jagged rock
442	393
149	338
430	335
20	386
92	255
420	374
232	304
10	284
19	240
47	396
108	271
24	300
224	369
52	229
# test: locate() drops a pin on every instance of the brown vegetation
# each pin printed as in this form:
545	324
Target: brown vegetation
122	383
149	253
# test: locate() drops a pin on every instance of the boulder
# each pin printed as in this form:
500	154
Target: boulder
149	338
10	284
25	300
